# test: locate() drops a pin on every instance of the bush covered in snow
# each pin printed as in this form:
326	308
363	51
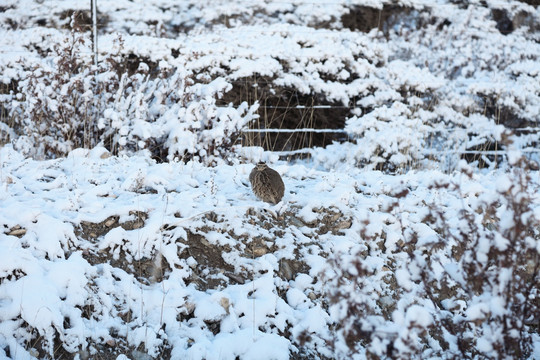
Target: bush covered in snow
448	78
458	281
68	102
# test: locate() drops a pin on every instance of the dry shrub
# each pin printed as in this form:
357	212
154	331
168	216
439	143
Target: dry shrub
69	102
468	289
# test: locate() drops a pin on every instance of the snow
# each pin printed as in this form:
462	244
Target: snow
180	256
57	281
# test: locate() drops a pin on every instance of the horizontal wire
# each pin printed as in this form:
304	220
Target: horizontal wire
427	152
338	131
271	2
198	52
352	134
308	107
479	152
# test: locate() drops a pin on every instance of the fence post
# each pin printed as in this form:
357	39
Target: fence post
93	5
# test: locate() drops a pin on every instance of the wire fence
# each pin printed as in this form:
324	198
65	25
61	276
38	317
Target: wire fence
428	152
230	53
336	131
339	131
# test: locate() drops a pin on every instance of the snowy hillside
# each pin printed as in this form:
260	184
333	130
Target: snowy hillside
129	228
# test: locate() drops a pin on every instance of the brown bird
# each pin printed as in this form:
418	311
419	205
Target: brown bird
266	183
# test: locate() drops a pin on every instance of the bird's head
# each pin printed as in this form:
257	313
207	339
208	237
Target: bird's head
261	165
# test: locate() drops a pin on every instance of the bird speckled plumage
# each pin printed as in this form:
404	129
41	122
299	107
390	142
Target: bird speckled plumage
266	183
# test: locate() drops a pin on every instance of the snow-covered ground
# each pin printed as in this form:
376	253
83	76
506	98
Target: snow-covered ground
123	256
262	288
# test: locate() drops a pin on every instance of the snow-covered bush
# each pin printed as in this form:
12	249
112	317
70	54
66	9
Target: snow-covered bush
481	272
68	102
456	87
459	76
53	105
463	283
388	137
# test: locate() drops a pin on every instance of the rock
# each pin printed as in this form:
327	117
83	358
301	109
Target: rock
260	251
334	217
224	302
190	307
136	223
296	222
236	278
17	231
289	268
344	224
